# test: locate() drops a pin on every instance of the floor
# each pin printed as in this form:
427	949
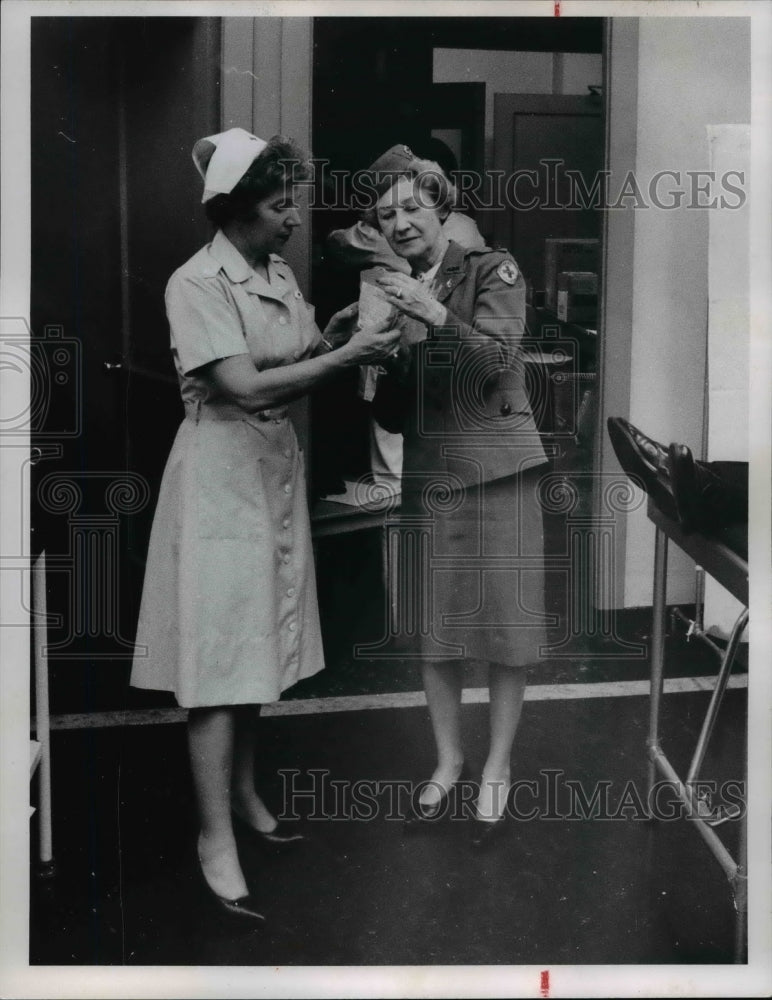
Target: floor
566	885
560	887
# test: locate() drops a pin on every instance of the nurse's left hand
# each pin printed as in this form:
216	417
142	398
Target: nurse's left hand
412	298
342	325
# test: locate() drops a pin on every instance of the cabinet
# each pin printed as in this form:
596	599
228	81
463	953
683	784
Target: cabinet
562	375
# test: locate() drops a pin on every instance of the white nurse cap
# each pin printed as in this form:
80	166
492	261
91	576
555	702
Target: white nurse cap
223	159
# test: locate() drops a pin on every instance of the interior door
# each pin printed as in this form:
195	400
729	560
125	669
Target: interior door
116	106
460	108
548	135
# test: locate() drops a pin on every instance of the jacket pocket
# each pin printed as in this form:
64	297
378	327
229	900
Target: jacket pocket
505	394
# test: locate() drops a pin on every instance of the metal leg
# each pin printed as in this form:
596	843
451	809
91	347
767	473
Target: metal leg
740	887
699	614
697	812
718	694
42	720
389	577
740	882
657	652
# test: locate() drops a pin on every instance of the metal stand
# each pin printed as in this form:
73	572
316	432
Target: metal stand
46	866
731	571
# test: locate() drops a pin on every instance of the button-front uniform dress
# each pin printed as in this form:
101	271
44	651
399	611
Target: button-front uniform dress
229	611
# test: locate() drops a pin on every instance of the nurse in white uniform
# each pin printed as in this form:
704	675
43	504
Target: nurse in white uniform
229	614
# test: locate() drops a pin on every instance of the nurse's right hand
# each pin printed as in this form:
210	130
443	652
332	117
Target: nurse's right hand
371	344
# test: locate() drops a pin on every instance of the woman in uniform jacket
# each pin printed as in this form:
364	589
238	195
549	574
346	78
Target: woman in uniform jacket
229	617
472	460
363	246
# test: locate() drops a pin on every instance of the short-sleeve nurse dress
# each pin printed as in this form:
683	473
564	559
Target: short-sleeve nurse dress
229	612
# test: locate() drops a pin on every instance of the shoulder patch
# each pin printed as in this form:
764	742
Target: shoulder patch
507	271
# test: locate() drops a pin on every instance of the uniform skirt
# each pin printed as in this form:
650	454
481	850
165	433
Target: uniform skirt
469	573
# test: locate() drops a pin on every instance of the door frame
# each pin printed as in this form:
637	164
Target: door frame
266	74
266	88
615	329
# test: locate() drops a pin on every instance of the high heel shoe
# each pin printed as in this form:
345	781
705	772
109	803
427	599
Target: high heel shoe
243	906
486	832
425	817
283	836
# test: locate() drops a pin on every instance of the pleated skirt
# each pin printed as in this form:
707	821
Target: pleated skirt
468	573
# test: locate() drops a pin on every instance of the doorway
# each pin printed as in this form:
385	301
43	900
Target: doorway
117	104
114	212
474	84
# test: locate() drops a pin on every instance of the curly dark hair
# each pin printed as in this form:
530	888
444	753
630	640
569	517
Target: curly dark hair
279	165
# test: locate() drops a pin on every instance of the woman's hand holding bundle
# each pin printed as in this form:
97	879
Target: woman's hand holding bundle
341	326
373	342
412	297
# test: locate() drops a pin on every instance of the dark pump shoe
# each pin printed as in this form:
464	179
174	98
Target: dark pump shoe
283	836
245	907
422	818
485	833
644	459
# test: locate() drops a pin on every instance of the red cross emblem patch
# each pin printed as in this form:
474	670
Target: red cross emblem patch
507	272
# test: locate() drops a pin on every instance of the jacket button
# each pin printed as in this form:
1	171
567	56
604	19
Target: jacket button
506	409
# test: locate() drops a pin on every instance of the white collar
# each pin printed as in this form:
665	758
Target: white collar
427	277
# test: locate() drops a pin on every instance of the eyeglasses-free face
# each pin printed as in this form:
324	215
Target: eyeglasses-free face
411	224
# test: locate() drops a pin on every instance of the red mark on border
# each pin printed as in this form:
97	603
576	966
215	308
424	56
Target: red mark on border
545	976
557	8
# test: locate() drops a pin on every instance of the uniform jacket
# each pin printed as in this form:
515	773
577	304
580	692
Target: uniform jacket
468	418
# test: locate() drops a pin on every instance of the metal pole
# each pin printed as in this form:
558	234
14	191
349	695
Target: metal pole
711	838
42	718
718	694
657	649
740	882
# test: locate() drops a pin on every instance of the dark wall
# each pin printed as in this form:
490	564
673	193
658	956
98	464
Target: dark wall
116	107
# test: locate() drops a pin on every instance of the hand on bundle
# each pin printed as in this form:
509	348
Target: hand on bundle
412	298
342	326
